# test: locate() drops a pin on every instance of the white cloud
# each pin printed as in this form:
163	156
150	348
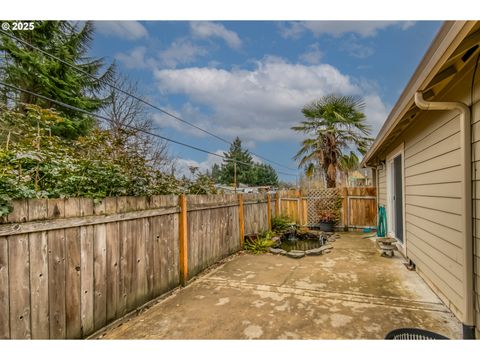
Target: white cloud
338	28
375	111
181	51
292	30
183	165
187	112
129	30
207	29
135	59
262	104
407	24
313	55
356	49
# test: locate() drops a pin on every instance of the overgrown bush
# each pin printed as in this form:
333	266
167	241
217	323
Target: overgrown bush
281	223
34	163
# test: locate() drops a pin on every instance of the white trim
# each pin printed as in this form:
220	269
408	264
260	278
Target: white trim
399	150
450	35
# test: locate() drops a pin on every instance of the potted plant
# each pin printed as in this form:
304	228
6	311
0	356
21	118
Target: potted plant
328	219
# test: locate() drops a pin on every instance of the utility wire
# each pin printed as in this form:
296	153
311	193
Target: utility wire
113	86
71	107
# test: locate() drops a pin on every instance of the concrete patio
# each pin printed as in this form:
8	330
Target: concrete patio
350	293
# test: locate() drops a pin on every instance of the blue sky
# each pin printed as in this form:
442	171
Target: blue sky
251	79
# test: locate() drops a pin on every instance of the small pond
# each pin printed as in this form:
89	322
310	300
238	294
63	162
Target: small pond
294	240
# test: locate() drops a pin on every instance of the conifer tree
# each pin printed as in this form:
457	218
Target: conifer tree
248	172
32	70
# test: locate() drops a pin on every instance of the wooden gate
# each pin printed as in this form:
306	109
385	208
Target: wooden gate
359	207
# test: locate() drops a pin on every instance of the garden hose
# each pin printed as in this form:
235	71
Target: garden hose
382	222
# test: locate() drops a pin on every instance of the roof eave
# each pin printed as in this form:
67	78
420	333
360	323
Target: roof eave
445	42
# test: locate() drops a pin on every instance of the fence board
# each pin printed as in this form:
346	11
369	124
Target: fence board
19	289
130	266
140	256
174	223
149	264
123	252
72	279
56	271
100	272
113	258
158	260
38	248
140	280
19	277
87	277
4	290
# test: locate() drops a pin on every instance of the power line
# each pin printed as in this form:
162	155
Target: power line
71	107
113	86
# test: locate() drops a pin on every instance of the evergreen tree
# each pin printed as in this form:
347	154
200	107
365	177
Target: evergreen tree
236	154
215	172
248	172
31	70
264	174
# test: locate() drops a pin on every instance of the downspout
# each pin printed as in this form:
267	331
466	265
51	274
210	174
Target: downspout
468	312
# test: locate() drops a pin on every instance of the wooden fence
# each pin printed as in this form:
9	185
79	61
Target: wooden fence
359	206
68	267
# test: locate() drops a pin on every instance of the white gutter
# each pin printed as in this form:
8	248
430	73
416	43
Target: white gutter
466	165
446	41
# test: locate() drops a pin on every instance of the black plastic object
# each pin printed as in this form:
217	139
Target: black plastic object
413	334
468	332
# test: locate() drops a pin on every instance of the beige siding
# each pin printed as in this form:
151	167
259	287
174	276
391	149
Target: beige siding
433	205
382	187
476	197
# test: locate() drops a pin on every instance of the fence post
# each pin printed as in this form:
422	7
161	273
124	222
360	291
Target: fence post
241	220
277	204
269	213
183	229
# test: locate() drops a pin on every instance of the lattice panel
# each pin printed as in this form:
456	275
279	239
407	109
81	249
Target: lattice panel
320	199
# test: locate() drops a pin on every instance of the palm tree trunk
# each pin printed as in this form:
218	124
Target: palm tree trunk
331	183
331	180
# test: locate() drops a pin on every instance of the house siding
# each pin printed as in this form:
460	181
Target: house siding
476	197
382	186
433	203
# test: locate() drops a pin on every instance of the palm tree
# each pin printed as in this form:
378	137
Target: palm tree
348	163
335	123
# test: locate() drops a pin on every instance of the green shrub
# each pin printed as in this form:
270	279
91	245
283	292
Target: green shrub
258	247
281	223
36	163
259	244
